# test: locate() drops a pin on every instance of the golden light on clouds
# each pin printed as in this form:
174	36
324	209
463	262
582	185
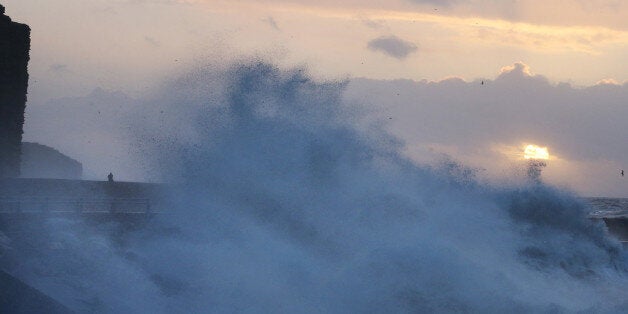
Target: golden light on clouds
538	37
536	152
456	40
524	68
548	38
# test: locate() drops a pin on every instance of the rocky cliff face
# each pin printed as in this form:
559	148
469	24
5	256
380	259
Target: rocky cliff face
14	56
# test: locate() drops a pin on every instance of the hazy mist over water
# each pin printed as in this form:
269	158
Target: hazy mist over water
285	200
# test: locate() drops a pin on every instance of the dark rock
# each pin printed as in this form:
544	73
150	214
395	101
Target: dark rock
14	56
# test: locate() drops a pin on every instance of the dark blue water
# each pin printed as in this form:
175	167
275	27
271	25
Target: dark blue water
608	207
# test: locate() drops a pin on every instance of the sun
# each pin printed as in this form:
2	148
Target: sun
536	152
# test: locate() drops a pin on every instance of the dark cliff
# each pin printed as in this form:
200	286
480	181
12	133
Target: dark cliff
41	161
14	56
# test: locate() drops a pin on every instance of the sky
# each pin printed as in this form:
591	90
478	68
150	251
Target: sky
555	71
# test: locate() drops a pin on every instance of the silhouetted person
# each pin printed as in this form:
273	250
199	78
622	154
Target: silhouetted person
482	83
110	177
622	173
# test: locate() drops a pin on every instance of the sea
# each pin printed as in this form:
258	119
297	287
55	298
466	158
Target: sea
608	207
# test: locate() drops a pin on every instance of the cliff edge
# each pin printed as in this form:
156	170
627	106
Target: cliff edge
14	56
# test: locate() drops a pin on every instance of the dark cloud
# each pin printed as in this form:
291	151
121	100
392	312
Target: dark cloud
393	46
272	23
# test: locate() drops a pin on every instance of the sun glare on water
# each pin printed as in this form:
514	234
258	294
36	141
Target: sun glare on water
536	152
